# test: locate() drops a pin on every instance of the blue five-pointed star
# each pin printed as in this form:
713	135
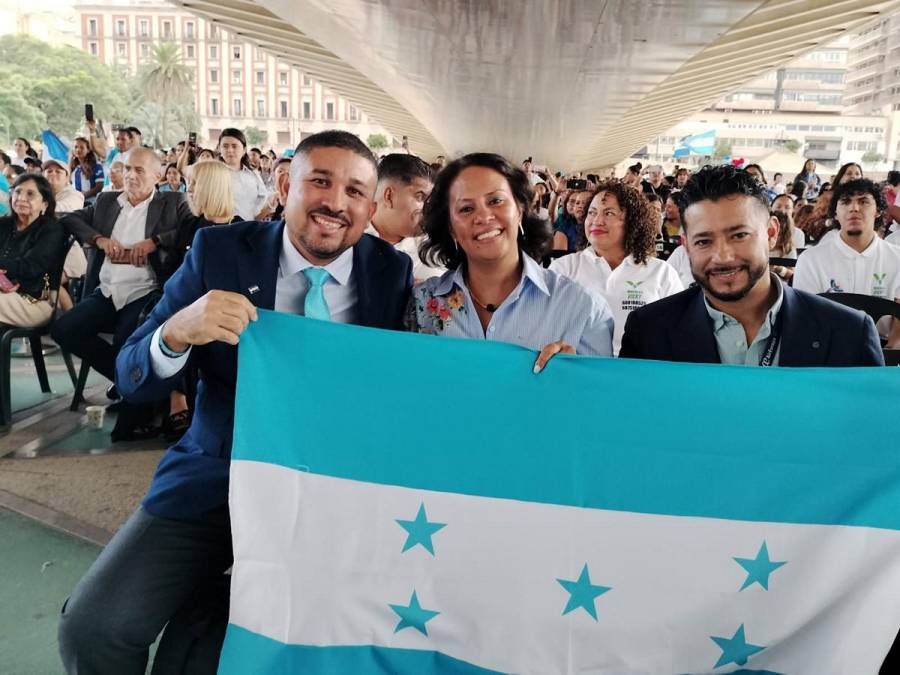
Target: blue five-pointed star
582	593
736	649
420	531
759	568
413	616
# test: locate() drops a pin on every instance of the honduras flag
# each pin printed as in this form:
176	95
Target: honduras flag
54	147
414	504
698	144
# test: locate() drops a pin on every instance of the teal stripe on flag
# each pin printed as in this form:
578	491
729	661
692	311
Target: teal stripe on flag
465	416
246	653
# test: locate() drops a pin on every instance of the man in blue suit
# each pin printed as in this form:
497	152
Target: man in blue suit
177	545
739	312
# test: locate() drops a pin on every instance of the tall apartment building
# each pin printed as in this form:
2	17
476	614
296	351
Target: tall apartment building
873	78
237	84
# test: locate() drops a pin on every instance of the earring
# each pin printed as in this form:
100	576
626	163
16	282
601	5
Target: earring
456	245
521	230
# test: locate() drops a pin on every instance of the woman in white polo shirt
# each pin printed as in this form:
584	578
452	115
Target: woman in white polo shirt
247	187
617	259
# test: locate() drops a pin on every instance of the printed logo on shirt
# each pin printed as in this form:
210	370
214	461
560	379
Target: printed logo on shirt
634	296
834	287
879	289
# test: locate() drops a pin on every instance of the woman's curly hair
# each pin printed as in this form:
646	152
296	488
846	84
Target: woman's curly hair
640	230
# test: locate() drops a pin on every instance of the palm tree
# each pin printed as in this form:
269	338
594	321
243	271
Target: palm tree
165	80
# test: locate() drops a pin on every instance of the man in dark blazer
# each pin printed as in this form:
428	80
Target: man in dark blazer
739	312
135	232
317	262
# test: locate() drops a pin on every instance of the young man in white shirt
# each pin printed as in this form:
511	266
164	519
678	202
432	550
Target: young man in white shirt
404	183
857	260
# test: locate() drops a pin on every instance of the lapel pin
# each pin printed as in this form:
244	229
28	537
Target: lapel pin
253	289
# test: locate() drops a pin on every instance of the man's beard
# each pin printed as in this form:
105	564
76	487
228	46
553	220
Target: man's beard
754	274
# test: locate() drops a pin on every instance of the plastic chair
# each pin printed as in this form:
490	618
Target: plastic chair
8	333
877	308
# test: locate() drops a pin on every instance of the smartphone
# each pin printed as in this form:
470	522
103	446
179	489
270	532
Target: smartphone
124	258
5	284
89	112
192	138
576	184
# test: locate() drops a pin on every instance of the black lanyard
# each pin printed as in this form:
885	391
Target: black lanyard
768	356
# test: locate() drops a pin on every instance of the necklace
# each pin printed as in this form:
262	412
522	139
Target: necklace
486	307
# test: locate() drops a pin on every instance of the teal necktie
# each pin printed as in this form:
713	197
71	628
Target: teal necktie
315	306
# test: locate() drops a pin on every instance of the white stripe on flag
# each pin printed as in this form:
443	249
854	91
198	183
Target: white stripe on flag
330	562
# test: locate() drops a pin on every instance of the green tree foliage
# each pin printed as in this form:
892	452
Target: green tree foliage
792	145
872	157
377	141
43	85
255	136
723	149
166	95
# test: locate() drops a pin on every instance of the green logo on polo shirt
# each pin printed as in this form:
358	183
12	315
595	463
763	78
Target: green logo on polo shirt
634	296
878	288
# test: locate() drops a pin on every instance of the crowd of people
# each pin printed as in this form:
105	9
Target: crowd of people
711	264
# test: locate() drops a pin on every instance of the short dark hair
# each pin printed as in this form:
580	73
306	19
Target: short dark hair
256	150
439	246
893	177
335	138
716	182
5	158
758	168
43	186
17	169
134	131
860	186
404	168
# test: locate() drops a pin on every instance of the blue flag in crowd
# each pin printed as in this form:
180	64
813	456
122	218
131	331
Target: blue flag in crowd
54	146
416	504
698	144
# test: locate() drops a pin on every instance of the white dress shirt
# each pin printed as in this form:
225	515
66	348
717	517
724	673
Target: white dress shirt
291	287
249	193
410	246
680	261
124	283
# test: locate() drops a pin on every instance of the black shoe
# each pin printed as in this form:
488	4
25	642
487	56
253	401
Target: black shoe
112	393
175	425
141	432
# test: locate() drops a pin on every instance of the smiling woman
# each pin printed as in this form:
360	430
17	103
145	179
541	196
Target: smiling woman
478	223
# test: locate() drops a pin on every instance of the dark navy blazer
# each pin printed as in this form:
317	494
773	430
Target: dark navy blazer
192	477
815	332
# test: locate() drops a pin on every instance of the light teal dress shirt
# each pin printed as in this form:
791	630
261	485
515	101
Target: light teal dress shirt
731	340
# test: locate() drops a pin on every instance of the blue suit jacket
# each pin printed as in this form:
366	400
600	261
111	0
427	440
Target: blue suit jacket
192	476
815	332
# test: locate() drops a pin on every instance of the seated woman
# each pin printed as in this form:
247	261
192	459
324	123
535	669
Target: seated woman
173	181
784	245
31	253
479	225
617	261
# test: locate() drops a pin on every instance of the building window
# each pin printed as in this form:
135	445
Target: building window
214	106
283	108
213	75
144	28
92	47
213	30
329	110
92	27
167	30
213	51
258	55
260	77
307	82
235	77
307	110
236	108
283	78
145	50
121	28
260	108
121	48
354	113
189	51
236	53
189	30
